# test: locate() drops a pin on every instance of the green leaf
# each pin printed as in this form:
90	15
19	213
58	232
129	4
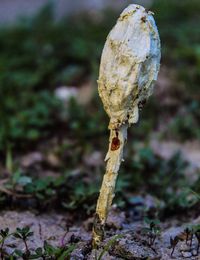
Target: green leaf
24	180
66	254
18	252
39	251
49	250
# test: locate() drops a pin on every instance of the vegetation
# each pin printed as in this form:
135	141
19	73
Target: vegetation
46	252
180	37
187	235
36	56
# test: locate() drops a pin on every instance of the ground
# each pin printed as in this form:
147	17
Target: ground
133	242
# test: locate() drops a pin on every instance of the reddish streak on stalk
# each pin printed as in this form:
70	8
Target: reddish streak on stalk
115	144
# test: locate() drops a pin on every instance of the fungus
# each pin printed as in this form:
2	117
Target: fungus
129	67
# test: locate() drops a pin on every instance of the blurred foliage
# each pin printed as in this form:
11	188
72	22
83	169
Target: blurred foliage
148	173
180	34
178	23
185	125
27	118
144	173
40	54
24	190
84	123
36	55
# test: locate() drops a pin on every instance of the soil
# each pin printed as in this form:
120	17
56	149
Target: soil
133	243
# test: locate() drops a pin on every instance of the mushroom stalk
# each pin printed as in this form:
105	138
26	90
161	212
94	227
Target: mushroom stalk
114	158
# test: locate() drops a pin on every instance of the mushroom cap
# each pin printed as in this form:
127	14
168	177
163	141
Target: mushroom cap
129	65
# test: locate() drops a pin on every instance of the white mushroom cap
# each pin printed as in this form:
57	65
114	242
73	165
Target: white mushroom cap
129	65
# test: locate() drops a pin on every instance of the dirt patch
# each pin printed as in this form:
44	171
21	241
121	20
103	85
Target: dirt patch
132	243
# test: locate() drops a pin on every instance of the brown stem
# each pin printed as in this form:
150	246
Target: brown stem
27	249
2	254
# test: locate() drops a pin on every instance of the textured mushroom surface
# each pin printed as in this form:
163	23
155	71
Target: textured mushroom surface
129	65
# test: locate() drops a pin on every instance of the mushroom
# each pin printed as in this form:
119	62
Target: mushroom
129	68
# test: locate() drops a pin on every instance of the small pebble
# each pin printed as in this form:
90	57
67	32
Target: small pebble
194	252
184	247
186	254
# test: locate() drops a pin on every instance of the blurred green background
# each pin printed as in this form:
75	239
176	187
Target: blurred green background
53	131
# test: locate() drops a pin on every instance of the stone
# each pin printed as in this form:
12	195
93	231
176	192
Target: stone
116	219
186	254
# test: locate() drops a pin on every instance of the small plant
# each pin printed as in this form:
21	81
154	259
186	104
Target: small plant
4	233
197	234
106	248
50	252
173	243
127	75
153	230
23	234
46	252
187	235
187	231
